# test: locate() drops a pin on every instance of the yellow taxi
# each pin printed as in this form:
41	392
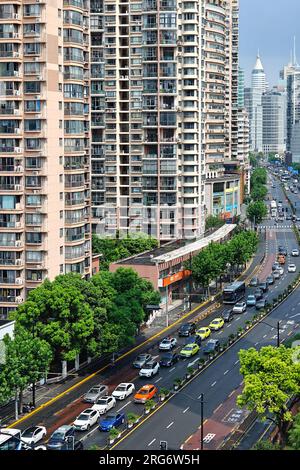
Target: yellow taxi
216	324
203	332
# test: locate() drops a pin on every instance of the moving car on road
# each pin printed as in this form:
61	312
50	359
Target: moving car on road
187	329
281	259
169	359
212	346
227	316
240	307
113	420
149	369
216	324
145	393
141	360
275	266
203	332
260	304
190	350
104	404
276	274
295	252
263	286
254	282
95	392
123	391
251	300
33	434
86	419
167	344
59	437
193	339
258	294
270	280
292	268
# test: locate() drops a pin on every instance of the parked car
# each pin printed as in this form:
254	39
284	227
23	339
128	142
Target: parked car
275	266
251	300
254	282
167	344
292	268
260	304
104	404
240	307
295	252
145	393
33	434
123	391
281	270
141	360
113	420
258	294
227	316
282	251
189	350
216	324
263	286
187	329
149	369
270	280
86	419
212	346
95	392
59	437
169	359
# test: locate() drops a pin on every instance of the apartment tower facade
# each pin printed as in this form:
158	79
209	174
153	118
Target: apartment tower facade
161	111
44	144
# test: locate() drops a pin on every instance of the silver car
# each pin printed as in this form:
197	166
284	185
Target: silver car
95	392
141	360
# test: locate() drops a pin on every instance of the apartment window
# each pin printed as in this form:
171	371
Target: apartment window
32	10
33	238
33	48
33	219
35	276
72	90
33	200
34	256
33	162
32	68
32	87
32	125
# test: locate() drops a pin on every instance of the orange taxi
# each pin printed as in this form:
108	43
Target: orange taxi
145	393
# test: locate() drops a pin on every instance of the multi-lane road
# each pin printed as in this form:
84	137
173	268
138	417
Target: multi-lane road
178	418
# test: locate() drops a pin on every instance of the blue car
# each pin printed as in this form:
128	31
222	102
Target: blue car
111	421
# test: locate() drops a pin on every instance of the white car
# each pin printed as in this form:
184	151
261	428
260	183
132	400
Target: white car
104	404
33	434
240	307
149	369
86	419
295	252
281	270
292	268
123	391
167	344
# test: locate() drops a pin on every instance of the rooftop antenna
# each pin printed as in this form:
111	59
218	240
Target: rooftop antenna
295	55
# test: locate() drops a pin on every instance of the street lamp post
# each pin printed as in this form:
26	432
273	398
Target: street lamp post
201	398
190	284
278	330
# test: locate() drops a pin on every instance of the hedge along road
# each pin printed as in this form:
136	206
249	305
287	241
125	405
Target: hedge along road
259	265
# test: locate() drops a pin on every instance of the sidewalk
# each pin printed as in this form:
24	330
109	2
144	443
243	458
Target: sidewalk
47	392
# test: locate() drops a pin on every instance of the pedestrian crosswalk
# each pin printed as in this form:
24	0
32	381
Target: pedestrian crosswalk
276	227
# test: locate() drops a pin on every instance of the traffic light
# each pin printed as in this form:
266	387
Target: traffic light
163	445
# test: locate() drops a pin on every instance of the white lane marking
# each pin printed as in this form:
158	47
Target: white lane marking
256	344
236	362
173	368
169	425
160	378
184	411
125	405
226	372
212	385
264	336
153	440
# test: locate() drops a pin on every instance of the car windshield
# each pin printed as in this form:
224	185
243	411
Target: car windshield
188	348
110	417
144	391
57	436
166	340
93	391
167	356
239	304
142	357
28	432
101	401
149	366
83	417
121	388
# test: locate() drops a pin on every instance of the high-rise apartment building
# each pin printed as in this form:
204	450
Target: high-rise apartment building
163	111
241	88
254	105
274	116
44	144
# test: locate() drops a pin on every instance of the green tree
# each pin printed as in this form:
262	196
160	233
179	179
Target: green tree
62	318
270	379
256	212
259	192
213	221
265	445
294	433
259	176
27	360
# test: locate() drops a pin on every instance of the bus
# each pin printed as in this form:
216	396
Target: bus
10	439
234	292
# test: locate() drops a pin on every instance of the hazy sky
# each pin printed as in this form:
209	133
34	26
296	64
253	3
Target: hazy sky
269	25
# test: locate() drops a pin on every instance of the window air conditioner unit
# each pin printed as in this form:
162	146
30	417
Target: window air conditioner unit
17	187
17	92
18	262
19	300
19	281
18	243
18	149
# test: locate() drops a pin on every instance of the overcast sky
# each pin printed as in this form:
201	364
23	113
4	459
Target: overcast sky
269	25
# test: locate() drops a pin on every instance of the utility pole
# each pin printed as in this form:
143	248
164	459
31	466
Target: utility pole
167	306
202	413
190	284
278	334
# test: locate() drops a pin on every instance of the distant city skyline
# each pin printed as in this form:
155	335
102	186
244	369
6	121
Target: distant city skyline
269	27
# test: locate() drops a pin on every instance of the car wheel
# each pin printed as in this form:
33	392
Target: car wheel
88	427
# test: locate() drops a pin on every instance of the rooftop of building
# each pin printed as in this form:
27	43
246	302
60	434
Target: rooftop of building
174	250
5	322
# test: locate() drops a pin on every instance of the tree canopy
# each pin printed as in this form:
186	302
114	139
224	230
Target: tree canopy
256	211
271	377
